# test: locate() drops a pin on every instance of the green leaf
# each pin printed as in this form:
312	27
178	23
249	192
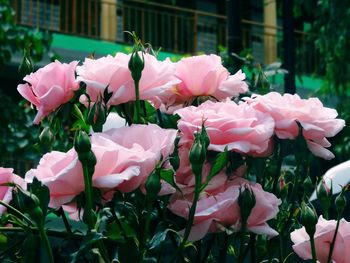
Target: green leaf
168	176
160	237
86	246
219	163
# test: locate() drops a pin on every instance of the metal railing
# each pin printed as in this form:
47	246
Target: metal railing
172	28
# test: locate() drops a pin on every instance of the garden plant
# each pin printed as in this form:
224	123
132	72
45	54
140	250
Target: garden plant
197	169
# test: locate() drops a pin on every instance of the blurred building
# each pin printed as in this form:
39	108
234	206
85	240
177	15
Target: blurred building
82	27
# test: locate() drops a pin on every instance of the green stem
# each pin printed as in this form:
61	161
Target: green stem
88	197
46	242
223	250
313	249
192	210
137	102
147	224
148	221
241	247
252	248
278	170
16	212
65	221
333	242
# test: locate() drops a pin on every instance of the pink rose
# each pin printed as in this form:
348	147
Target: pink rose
49	87
62	173
205	76
155	84
318	122
7	176
218	210
240	128
126	156
323	238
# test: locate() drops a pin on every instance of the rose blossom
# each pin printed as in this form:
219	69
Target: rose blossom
240	128
323	239
7	176
204	75
49	87
125	158
155	83
62	173
219	209
317	121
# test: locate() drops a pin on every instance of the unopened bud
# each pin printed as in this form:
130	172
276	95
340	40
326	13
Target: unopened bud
246	202
136	65
324	196
308	185
197	152
340	204
82	142
30	204
308	219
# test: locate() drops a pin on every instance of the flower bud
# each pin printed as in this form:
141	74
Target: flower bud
340	204
82	142
324	196
308	185
197	152
30	204
246	202
136	65
308	219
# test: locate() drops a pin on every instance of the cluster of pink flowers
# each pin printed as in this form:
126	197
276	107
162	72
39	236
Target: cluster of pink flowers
127	156
164	83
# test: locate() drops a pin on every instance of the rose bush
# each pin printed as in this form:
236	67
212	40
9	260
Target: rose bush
165	181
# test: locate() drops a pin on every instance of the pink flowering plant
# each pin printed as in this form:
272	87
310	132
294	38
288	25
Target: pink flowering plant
170	162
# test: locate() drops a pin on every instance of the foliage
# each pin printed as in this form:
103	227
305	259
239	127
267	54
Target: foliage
15	38
331	34
17	133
